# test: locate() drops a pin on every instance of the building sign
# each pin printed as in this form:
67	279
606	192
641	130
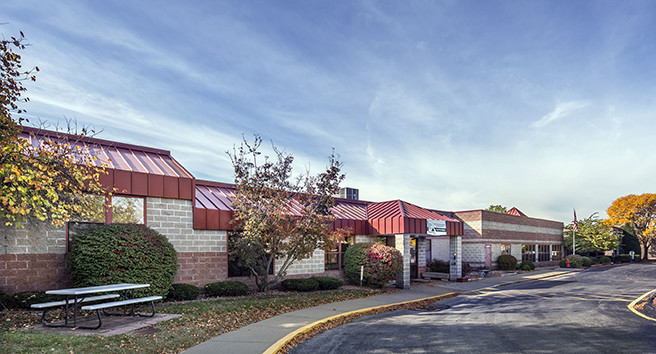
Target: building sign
435	227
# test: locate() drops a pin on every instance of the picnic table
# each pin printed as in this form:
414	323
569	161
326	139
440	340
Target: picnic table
76	296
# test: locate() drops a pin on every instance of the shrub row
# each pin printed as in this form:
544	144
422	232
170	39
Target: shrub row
226	288
439	266
311	284
182	292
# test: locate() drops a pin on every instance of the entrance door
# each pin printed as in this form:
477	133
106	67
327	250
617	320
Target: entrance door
413	258
488	256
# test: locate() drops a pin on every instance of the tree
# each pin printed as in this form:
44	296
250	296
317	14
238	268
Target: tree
279	219
640	212
54	178
592	235
498	208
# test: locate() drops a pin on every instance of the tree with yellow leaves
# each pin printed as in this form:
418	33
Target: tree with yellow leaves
640	212
52	178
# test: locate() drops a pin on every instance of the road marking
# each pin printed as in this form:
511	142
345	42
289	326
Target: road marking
634	302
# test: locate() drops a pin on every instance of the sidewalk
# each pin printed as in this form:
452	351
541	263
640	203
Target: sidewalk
258	337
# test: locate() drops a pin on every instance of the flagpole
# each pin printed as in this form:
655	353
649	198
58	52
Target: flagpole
574	241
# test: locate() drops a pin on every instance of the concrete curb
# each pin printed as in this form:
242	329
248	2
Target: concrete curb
640	298
281	343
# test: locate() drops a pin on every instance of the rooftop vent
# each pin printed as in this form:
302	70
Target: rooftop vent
349	193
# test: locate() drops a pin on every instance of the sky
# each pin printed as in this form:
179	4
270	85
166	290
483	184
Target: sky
453	105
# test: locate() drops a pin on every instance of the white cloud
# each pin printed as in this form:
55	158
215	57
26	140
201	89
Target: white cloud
563	109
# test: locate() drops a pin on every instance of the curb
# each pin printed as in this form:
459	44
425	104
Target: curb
634	302
286	340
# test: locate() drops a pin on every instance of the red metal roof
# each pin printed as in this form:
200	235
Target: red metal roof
131	169
515	211
399	208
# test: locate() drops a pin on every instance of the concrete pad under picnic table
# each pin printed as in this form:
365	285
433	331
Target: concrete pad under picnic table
111	326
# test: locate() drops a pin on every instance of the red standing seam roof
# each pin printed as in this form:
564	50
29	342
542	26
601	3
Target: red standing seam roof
119	156
515	211
399	208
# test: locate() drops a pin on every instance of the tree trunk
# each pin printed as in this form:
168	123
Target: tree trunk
643	251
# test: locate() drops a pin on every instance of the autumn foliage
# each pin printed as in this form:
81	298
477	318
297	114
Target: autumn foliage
640	212
280	218
49	178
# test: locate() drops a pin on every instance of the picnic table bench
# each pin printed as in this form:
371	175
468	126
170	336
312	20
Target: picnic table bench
76	296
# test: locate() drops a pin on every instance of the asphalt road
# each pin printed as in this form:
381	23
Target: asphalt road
584	312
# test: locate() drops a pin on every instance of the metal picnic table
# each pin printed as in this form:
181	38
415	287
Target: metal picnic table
75	296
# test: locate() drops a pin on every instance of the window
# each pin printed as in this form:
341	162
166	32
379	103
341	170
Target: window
543	253
335	257
127	210
528	253
556	252
122	210
506	249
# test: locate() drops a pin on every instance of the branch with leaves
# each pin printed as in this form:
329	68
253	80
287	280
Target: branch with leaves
278	218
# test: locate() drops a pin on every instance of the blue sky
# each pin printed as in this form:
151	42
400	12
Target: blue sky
453	105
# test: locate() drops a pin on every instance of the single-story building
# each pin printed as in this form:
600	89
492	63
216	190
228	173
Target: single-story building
154	189
489	234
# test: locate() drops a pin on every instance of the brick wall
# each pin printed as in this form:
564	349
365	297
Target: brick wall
25	272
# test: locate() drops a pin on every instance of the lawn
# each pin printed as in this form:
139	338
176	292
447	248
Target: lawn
200	321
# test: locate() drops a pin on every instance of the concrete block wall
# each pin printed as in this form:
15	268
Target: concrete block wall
402	243
202	254
455	247
366	238
312	265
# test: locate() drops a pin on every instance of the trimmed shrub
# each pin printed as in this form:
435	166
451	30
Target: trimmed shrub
575	261
527	265
328	283
5	299
625	258
507	262
123	253
439	266
25	299
381	263
466	269
586	261
226	288
303	284
181	292
595	260
604	260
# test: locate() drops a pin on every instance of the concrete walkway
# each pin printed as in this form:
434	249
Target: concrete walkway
260	336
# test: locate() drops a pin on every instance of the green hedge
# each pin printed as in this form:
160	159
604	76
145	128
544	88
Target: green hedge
586	261
576	261
381	263
123	253
328	283
226	288
182	292
303	284
507	262
527	265
439	266
604	260
626	258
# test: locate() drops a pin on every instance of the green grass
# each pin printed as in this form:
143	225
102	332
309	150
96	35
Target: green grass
200	321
